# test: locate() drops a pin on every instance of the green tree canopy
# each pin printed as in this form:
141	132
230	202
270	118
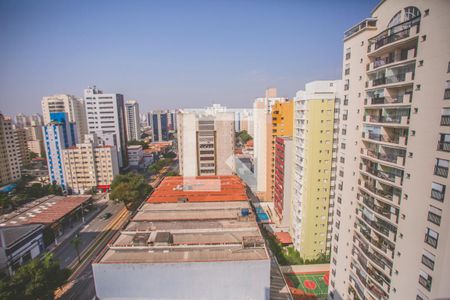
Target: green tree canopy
244	137
142	143
37	279
129	189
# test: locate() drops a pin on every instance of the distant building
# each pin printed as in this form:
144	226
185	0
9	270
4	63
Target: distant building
206	143
34	137
132	120
159	122
135	155
90	166
195	238
74	107
59	134
106	118
316	128
262	136
22	145
283	180
19	245
10	157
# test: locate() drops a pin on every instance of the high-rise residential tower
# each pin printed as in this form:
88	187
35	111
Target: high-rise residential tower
74	107
59	134
206	143
133	120
262	123
159	122
316	127
10	158
390	235
106	118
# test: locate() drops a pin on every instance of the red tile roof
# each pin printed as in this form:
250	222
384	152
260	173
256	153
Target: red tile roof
199	189
284	237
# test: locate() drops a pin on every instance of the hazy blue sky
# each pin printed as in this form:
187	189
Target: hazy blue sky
169	54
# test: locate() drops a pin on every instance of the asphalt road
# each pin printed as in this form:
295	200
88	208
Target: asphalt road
66	253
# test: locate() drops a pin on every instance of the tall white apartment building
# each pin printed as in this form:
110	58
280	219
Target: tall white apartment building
262	141
206	143
10	159
73	106
132	120
106	118
89	165
391	219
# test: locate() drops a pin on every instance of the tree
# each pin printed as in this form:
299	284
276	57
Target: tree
172	173
38	279
33	155
169	155
5	202
76	243
244	137
129	189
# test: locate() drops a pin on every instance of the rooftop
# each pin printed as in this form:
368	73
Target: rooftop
45	210
199	189
188	232
11	235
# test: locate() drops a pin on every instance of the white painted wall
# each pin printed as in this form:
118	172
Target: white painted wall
194	280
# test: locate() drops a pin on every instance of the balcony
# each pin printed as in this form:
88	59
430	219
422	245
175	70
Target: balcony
428	262
443	146
441	171
387	176
390	60
433	242
447	94
402	99
391	80
433	218
387	157
383	210
395	33
426	283
393	139
445	120
400	120
438	195
389	195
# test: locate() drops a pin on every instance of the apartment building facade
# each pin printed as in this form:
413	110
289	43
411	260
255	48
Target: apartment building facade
90	166
73	106
206	143
132	120
106	119
315	137
10	160
262	130
390	238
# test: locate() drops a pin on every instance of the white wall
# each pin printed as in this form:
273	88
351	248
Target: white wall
193	280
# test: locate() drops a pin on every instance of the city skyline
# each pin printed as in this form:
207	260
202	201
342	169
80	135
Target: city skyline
175	60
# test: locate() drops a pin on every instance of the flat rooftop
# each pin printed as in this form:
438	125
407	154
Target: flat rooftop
199	189
45	210
188	232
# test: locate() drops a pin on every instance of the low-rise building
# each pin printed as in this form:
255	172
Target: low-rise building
195	238
135	156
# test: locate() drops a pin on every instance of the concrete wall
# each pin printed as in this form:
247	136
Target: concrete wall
194	280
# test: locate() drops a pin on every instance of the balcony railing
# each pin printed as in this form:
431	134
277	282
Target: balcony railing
386	100
387	119
433	218
381	192
447	94
433	242
443	146
445	120
427	262
438	195
395	33
441	171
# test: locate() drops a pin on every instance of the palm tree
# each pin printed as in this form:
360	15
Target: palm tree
76	242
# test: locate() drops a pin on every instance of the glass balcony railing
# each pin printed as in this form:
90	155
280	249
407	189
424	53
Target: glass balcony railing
388	157
387	119
443	146
395	33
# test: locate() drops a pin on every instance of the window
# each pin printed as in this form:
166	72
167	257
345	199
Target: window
347	53
431	237
425	280
445	116
447	89
441	167
437	191
428	259
444	142
342	145
434	215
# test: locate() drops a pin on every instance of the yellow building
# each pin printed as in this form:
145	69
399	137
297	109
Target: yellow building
315	145
282	126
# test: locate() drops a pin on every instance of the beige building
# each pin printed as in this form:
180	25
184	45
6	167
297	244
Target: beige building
89	166
10	158
206	142
390	235
263	141
73	106
34	139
